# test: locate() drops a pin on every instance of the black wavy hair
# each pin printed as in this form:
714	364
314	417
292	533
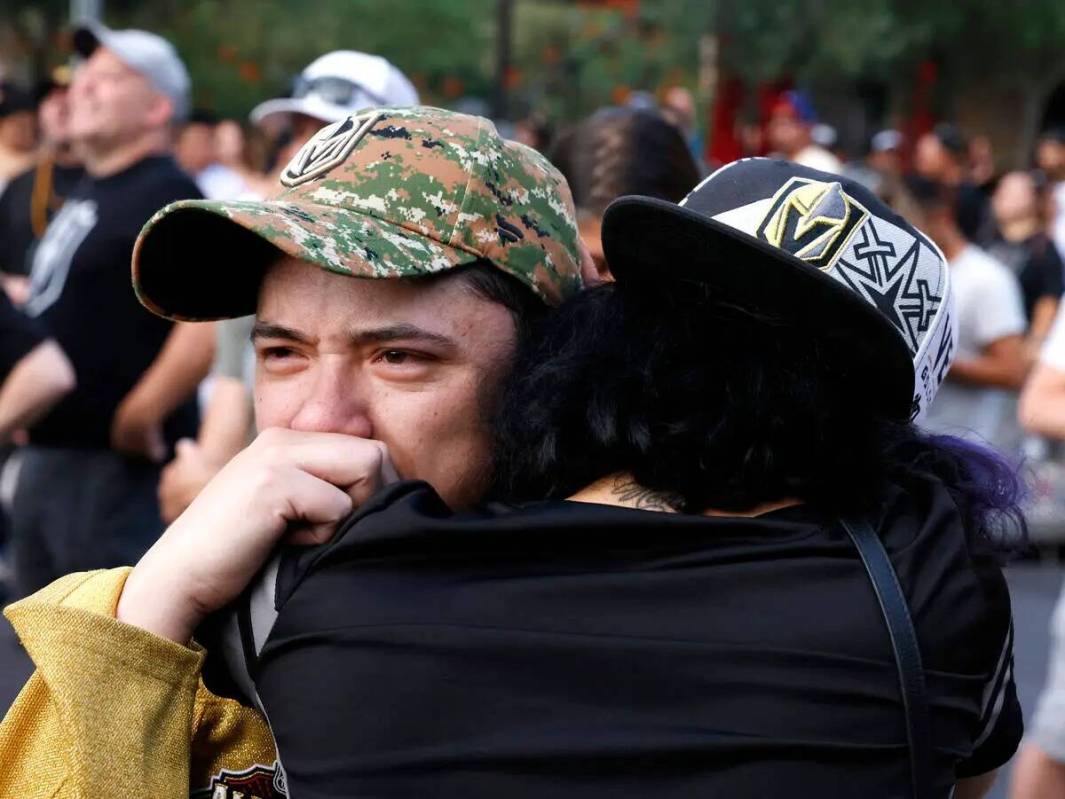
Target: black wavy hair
715	407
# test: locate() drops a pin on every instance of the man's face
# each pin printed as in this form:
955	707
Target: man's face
886	162
53	115
301	128
930	158
18	131
786	134
1015	198
1050	155
110	103
195	149
414	364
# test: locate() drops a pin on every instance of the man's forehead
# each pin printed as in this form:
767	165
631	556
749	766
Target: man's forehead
105	57
107	61
296	293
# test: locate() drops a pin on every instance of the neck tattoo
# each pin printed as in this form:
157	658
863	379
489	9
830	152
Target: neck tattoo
628	492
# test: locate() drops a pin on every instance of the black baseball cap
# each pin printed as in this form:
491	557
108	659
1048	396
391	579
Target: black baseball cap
807	247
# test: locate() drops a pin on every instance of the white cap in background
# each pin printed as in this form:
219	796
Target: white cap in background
886	140
337	84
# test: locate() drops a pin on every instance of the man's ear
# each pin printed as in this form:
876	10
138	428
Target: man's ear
160	110
594	269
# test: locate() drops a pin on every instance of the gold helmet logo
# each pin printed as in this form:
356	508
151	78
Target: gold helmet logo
812	221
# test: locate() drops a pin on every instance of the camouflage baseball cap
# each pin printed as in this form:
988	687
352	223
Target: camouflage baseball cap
386	193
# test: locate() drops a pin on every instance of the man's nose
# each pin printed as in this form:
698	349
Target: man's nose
334	404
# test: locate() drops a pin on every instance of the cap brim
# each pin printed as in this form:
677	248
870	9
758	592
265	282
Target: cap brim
198	260
274	113
652	241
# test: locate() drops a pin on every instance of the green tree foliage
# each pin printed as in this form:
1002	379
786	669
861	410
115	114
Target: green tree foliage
569	57
240	51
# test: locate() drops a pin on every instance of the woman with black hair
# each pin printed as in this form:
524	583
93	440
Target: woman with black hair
729	564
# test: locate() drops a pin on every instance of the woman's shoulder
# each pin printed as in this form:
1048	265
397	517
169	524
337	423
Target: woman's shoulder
951	575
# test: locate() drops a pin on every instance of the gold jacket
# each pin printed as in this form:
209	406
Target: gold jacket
115	711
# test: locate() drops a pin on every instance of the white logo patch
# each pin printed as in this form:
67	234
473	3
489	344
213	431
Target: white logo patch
54	255
327	149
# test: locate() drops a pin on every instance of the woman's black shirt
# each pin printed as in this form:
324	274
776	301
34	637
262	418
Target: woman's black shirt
569	649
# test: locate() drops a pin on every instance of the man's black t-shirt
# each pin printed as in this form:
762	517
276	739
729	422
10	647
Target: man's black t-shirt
18	335
569	649
17	236
81	291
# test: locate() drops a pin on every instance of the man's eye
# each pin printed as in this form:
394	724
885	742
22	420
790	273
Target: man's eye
276	353
397	357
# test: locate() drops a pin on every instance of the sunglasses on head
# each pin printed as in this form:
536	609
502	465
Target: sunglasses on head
334	90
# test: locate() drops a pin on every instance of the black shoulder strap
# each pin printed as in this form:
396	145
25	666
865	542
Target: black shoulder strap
907	650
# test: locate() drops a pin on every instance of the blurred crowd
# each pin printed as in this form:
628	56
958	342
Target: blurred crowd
114	419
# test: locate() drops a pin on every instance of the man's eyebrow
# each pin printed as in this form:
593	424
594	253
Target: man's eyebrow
268	330
385	335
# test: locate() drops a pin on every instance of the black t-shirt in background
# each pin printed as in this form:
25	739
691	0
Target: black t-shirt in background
17	237
18	336
973	213
577	650
81	291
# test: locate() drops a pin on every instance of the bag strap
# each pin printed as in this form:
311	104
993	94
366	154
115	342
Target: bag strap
907	650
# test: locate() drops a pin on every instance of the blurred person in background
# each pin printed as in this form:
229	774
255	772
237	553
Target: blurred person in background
242	152
789	134
976	400
34	371
330	89
942	156
86	490
619	151
679	107
196	151
1050	158
194	145
32	198
982	168
535	130
34	375
1042	406
1039	770
751	137
1023	245
18	131
883	172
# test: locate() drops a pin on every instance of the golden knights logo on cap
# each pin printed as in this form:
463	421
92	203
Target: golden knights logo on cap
327	149
812	220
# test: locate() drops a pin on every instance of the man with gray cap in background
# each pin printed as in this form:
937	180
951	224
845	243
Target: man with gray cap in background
86	490
329	89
